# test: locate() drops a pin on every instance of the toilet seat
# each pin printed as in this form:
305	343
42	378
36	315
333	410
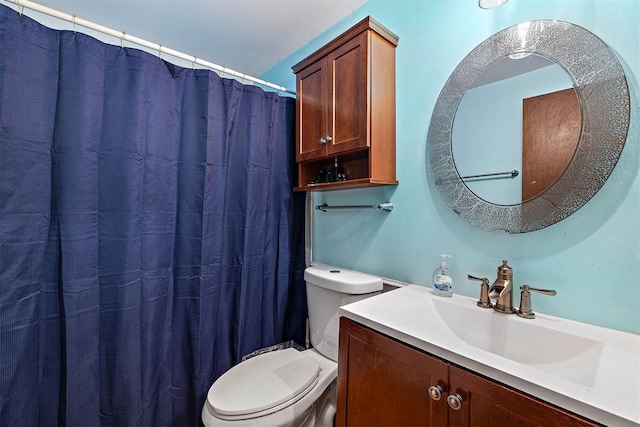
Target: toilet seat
263	384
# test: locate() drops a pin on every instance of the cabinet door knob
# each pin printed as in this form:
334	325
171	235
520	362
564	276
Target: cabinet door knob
328	138
435	392
323	141
454	401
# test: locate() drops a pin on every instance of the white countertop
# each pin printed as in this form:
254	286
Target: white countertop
612	397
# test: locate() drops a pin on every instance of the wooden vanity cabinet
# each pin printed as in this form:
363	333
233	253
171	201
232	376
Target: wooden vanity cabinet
383	382
345	109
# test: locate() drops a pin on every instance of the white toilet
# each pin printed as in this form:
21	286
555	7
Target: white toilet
290	387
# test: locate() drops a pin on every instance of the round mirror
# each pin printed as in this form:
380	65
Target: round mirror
528	126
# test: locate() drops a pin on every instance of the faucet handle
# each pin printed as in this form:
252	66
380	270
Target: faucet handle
525	300
484	291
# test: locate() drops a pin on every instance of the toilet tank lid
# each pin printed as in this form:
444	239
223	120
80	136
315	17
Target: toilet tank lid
342	280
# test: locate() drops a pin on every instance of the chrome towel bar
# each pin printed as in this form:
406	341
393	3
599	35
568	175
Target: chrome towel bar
387	206
511	174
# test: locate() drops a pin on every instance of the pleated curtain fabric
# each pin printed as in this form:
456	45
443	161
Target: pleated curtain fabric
149	237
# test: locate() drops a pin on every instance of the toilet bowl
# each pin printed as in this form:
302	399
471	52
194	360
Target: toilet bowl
290	387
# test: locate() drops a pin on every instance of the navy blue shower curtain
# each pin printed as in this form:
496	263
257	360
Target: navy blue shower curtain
148	233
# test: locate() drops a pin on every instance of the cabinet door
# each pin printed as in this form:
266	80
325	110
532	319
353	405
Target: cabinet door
311	111
486	403
382	382
348	96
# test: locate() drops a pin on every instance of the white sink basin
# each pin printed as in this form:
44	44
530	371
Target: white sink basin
573	357
587	369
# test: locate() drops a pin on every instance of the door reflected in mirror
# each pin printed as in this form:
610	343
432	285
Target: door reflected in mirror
518	115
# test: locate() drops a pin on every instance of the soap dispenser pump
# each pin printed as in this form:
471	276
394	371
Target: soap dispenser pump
442	283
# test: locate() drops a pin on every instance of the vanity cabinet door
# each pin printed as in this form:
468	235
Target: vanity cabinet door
487	403
382	382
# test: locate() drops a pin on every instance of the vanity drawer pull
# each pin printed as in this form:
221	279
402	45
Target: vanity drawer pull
454	401
435	392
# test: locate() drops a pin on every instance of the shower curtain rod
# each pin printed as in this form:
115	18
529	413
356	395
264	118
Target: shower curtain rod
153	46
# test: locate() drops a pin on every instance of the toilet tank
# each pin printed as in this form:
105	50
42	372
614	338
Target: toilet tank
328	288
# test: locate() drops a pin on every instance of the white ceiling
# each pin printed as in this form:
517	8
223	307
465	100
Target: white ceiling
248	36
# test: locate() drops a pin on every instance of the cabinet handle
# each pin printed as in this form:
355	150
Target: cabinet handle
435	392
323	141
454	401
328	138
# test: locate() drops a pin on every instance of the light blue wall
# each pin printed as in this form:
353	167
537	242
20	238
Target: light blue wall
592	258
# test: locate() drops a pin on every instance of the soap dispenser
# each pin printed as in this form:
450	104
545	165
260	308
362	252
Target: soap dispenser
442	283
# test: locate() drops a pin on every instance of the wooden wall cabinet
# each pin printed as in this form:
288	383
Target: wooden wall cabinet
345	109
383	382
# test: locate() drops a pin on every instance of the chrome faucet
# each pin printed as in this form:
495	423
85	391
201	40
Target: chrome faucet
502	290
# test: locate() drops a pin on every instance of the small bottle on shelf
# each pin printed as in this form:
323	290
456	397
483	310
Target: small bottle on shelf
336	173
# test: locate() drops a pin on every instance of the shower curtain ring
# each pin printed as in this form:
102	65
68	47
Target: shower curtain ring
122	40
160	51
73	20
194	62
